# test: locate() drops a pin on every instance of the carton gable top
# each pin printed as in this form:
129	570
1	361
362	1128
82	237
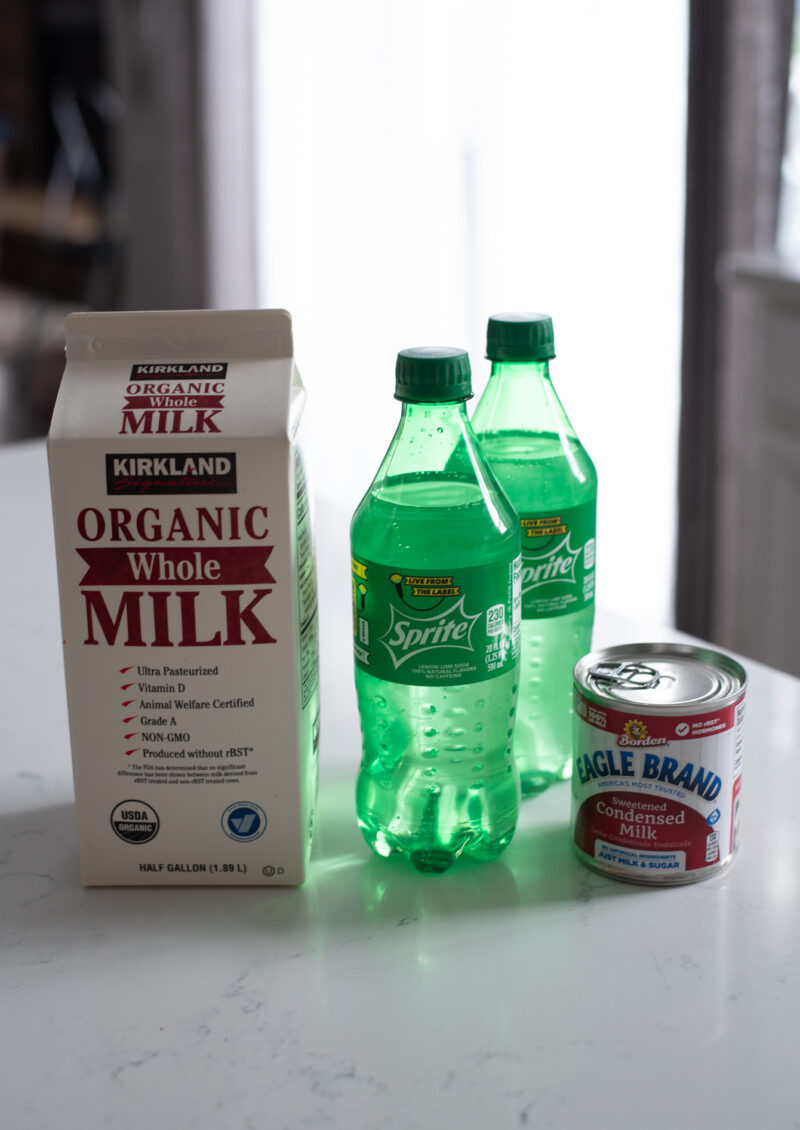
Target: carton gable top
263	393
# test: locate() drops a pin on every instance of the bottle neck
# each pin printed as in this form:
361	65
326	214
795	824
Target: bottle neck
443	412
520	396
435	465
437	441
427	435
529	370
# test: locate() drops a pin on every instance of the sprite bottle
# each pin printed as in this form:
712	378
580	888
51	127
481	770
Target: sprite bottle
550	479
435	548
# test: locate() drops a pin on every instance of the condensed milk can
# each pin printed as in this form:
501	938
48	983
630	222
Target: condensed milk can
657	761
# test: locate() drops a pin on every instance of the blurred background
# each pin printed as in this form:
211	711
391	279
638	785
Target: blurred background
394	173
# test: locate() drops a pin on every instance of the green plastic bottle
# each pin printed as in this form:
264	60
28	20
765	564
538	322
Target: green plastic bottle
550	479
436	560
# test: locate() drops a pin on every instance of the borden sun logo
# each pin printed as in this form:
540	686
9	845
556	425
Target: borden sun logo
635	729
634	733
409	634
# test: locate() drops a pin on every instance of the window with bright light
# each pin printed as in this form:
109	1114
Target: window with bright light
789	211
423	165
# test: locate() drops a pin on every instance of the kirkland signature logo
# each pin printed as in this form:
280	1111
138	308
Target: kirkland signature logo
172	473
179	371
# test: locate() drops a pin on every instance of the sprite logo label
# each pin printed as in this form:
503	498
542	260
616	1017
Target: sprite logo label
551	568
410	636
445	628
558	554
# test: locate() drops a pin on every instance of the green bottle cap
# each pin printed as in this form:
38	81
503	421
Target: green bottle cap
520	337
433	373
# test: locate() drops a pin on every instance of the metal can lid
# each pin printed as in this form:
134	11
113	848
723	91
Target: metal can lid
661	676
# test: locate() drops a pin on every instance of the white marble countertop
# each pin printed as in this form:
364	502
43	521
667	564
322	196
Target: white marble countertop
529	992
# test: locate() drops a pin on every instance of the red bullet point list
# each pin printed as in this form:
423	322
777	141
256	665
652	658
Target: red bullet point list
131	735
128	752
130	718
125	686
129	702
123	670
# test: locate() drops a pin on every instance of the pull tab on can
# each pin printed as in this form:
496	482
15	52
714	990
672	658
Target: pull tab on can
631	676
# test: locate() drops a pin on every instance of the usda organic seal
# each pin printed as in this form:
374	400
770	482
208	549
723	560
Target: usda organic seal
135	821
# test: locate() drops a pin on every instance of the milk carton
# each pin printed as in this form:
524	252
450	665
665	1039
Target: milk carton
188	597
